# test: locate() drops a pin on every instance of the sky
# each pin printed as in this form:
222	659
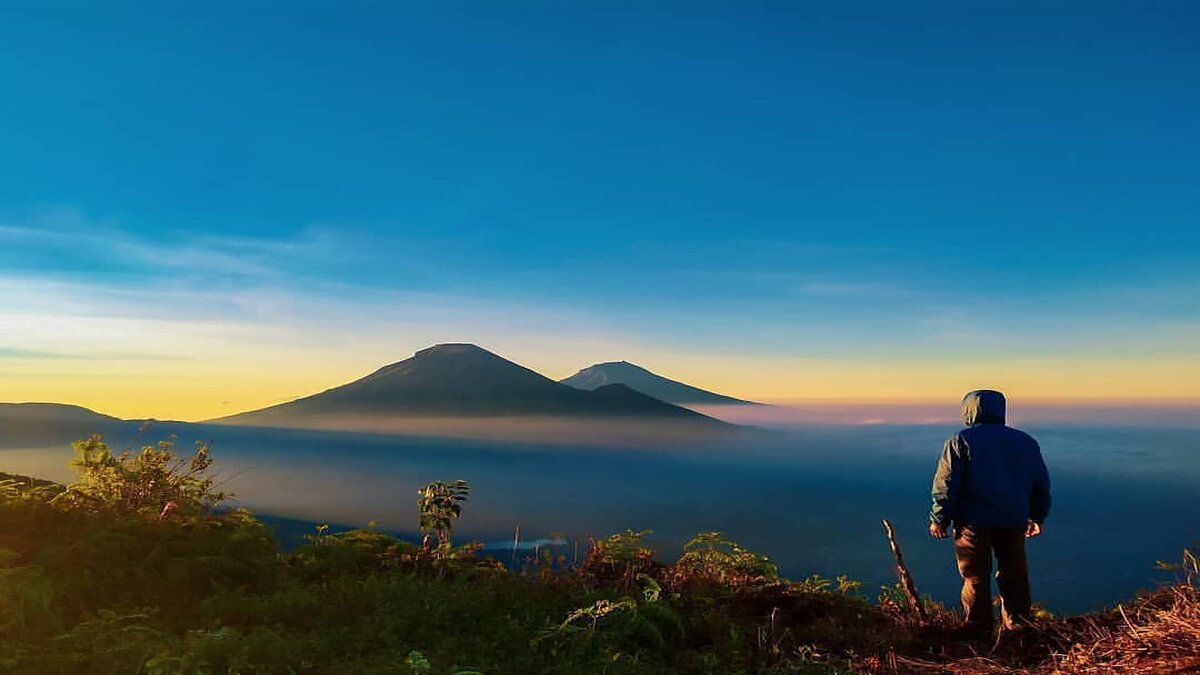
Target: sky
210	207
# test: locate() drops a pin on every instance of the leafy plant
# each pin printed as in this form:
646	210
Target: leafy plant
711	557
618	559
819	584
417	663
440	504
592	614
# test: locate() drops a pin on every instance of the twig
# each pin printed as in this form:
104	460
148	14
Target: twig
1132	630
906	581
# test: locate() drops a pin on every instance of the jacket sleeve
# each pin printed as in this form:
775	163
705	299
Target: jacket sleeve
947	483
1039	496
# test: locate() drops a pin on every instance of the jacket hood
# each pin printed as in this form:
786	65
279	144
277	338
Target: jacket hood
983	406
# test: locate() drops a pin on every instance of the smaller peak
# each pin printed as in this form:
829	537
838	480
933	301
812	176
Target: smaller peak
619	366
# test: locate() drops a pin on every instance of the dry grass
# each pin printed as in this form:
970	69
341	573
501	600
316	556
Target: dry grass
1158	633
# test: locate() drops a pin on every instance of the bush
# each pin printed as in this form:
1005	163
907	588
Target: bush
711	558
153	481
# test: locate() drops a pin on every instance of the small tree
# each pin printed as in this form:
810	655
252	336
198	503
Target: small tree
440	505
153	481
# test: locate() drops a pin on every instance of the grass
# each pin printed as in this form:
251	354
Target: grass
113	593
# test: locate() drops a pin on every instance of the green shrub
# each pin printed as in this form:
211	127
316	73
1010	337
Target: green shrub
618	560
710	557
153	481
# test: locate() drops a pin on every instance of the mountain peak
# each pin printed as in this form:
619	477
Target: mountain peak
466	380
453	348
644	381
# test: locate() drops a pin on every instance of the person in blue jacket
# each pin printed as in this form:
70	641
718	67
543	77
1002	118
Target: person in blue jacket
993	490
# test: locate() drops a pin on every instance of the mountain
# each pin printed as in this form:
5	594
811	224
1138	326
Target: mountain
639	379
464	381
38	424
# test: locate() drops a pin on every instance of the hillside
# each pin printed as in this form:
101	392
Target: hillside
640	379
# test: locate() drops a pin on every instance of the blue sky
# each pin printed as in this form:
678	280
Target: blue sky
731	189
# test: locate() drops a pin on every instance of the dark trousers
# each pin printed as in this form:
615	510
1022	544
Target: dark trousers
973	548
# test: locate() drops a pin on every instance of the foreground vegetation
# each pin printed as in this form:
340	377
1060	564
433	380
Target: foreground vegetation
132	570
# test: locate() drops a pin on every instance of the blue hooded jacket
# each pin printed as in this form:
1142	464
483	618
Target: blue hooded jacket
990	475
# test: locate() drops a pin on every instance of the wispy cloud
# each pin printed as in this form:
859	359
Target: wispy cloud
19	354
849	289
15	353
185	296
65	231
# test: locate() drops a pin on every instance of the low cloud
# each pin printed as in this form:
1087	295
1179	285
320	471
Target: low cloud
1180	414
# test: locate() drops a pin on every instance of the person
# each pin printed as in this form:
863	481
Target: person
992	487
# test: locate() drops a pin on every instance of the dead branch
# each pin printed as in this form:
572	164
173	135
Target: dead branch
906	580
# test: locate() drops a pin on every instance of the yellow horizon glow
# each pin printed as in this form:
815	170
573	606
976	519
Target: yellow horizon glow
1036	379
202	388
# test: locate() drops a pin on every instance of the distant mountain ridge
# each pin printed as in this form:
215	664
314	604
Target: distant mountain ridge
57	412
446	391
465	380
651	384
42	423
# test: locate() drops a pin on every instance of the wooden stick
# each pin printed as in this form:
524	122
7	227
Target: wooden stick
906	581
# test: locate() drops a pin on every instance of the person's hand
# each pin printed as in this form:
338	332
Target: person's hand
937	531
1033	529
